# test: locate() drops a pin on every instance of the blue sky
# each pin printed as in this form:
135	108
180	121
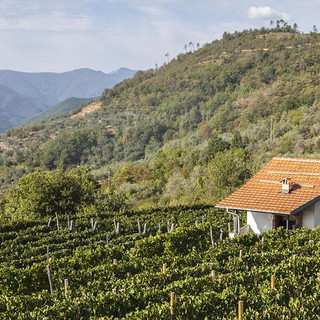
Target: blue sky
62	35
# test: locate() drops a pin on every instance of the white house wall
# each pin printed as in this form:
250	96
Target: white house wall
317	214
259	222
308	217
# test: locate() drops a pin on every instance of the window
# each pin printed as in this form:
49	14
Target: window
287	222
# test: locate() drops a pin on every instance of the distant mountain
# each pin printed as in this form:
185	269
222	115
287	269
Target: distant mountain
15	107
64	106
32	93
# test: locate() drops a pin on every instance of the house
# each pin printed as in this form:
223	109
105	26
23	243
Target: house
285	192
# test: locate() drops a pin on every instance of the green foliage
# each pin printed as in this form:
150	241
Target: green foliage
215	145
43	193
110	201
207	282
236	141
68	149
133	174
228	171
184	239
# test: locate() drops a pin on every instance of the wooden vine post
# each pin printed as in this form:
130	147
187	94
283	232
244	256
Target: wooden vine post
272	282
58	227
144	228
240	310
107	238
172	302
48	254
66	285
118	228
164	269
139	227
211	236
50	279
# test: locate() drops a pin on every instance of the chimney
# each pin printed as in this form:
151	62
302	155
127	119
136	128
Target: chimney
286	185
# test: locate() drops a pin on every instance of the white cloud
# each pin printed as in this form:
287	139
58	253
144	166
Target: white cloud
260	12
257	13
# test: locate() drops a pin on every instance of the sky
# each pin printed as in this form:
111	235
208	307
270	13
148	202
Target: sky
63	35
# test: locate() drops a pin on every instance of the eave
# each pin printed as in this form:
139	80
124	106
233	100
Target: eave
292	213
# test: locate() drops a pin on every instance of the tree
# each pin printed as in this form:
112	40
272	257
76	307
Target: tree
167	55
236	141
67	149
110	201
42	193
228	171
191	45
215	145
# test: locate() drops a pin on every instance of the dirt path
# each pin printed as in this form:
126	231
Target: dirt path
93	106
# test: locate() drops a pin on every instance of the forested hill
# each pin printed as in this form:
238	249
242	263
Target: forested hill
193	129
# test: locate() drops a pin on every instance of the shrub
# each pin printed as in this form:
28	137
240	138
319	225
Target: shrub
42	193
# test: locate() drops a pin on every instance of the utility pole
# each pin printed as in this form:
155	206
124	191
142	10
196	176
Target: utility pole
271	128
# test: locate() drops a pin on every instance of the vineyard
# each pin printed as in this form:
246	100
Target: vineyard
174	263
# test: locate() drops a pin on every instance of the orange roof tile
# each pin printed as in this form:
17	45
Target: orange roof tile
263	192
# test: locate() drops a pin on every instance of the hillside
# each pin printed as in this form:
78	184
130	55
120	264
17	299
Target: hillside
32	93
178	133
64	106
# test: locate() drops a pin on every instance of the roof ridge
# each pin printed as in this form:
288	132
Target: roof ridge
296	159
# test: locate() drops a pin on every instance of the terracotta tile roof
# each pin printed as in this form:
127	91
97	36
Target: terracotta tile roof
263	192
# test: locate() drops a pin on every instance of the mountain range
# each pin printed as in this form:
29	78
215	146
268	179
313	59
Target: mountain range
24	95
